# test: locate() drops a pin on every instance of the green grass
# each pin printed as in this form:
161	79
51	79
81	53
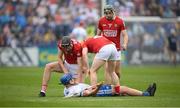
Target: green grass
19	87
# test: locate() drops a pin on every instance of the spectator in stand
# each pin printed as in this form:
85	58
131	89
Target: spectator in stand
43	12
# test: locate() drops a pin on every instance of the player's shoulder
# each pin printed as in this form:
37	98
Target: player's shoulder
59	44
76	43
102	18
77	46
119	18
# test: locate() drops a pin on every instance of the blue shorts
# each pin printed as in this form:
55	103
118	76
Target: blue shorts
105	90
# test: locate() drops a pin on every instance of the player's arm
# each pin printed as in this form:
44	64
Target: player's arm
92	91
80	69
99	29
60	61
73	94
125	39
87	92
99	32
85	59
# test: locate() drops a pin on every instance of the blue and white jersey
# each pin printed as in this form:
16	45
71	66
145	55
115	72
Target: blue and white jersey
75	90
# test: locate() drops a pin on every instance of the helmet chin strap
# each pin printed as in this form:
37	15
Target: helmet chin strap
113	15
112	18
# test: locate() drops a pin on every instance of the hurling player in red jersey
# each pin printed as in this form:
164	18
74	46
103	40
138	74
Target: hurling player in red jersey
69	60
105	51
112	27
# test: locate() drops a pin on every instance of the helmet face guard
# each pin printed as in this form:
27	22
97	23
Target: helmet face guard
66	43
66	78
108	8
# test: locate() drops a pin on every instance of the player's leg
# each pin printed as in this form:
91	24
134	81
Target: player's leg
174	58
118	64
151	89
97	63
172	55
118	68
100	58
113	76
108	79
111	67
124	90
49	68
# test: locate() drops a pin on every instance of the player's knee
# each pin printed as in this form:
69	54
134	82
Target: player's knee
48	66
118	74
92	70
123	89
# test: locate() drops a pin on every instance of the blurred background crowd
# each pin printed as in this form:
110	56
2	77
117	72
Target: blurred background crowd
162	8
41	22
26	23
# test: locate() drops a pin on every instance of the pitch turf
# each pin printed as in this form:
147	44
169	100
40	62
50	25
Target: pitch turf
19	87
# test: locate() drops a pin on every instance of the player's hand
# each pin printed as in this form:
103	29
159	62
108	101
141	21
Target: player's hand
124	47
86	71
100	83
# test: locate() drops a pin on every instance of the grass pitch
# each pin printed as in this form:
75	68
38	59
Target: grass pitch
19	87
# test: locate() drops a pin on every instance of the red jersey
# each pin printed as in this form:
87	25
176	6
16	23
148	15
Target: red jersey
94	44
112	29
76	52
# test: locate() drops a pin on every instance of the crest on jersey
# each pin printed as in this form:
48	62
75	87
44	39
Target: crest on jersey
110	25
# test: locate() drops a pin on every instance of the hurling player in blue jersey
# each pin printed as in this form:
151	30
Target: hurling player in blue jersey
74	89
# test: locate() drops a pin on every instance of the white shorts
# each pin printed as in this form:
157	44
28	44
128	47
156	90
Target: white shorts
107	52
72	68
118	55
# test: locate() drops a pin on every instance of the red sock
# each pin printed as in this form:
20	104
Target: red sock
117	89
43	88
